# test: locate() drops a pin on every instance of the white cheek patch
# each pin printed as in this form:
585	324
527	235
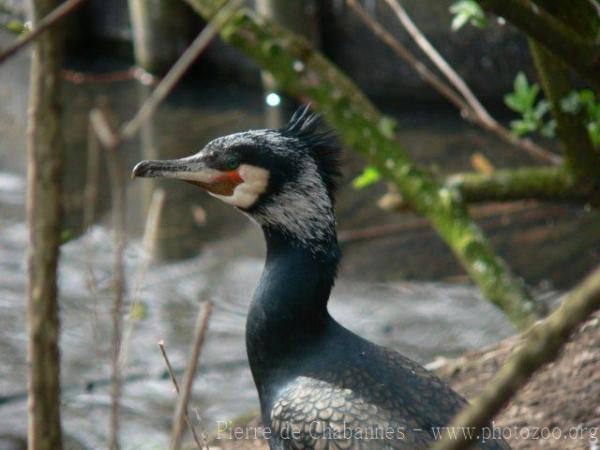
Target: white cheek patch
245	194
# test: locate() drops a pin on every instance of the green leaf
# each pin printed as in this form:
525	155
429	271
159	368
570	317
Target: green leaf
549	129
66	235
541	109
531	95
587	96
467	11
523	126
521	85
369	176
139	311
16	26
524	95
594	132
459	21
571	104
515	103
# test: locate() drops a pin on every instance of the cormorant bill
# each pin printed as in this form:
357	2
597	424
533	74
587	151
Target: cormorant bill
320	385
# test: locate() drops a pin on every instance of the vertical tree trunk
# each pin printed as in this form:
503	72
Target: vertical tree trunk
45	155
162	29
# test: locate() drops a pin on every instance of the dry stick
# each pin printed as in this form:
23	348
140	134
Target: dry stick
439	61
152	224
540	345
118	194
161	346
90	197
104	132
468	104
165	86
109	137
54	17
110	140
405	54
596	5
482	116
190	373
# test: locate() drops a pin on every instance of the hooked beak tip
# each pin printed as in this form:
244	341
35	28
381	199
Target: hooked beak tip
140	170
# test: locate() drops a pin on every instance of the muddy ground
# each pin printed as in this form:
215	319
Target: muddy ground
558	409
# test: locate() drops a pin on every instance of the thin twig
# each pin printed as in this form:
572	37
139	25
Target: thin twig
541	344
420	39
102	128
596	6
90	197
111	140
152	224
411	59
469	106
167	84
110	137
161	346
190	373
118	188
54	17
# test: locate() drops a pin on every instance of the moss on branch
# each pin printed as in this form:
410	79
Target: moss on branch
305	73
533	183
580	52
580	156
581	15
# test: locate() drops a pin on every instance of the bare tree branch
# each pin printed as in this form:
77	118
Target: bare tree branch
167	84
454	78
163	351
190	373
149	241
120	235
61	11
303	72
411	59
467	103
580	53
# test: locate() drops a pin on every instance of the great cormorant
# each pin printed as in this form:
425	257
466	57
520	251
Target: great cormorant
320	385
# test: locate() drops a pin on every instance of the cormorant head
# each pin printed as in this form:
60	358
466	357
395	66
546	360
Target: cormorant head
284	179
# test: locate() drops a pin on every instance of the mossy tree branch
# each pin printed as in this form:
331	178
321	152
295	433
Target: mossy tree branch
528	183
580	156
581	15
580	52
305	73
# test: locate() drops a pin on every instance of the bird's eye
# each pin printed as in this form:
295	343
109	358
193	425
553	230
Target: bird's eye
232	162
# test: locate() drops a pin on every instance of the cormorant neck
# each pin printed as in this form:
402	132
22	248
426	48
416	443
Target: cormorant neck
289	310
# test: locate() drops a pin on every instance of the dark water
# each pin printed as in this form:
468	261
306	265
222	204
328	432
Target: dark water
385	291
422	320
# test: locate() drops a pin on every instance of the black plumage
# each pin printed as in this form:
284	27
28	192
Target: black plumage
320	385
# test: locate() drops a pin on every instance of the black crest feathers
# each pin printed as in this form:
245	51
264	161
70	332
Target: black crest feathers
321	145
